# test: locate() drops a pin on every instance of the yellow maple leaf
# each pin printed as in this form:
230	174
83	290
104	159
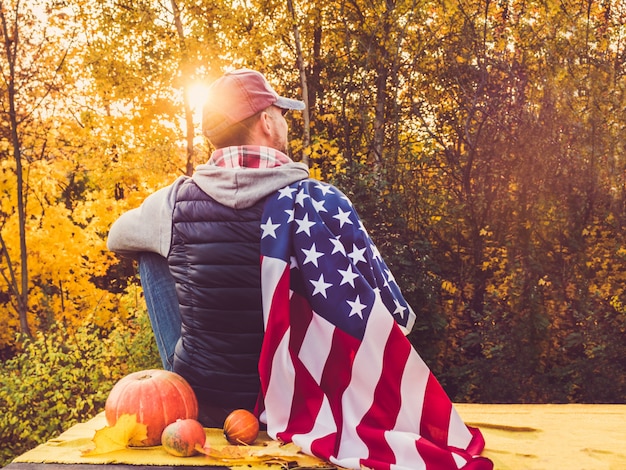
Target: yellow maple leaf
119	436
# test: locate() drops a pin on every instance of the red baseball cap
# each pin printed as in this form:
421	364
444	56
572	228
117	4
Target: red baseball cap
237	95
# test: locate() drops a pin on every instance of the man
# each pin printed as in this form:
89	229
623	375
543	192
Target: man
283	305
206	227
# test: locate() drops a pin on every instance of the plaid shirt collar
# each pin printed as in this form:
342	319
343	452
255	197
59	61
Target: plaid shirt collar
248	156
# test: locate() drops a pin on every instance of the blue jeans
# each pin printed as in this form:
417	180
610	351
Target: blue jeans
159	290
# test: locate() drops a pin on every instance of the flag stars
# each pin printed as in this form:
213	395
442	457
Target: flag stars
357	254
375	252
324	188
390	277
269	229
337	246
399	308
286	192
348	276
356	307
320	286
300	197
293	263
362	227
304	225
319	205
312	255
343	217
289	215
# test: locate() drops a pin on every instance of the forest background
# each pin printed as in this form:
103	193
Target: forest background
482	143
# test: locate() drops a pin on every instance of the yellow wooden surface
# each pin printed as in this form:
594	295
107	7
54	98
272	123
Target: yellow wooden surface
69	447
520	437
551	437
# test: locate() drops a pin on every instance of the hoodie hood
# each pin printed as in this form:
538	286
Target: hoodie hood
240	188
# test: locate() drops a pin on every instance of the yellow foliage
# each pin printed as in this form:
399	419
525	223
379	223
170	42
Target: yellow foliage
544	281
449	287
315	172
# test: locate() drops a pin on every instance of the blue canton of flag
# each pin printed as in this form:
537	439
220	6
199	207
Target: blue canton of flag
337	264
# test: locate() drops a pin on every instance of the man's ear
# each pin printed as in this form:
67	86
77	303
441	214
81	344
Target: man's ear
266	123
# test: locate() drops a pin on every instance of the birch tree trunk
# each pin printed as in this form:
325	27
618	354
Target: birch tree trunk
306	137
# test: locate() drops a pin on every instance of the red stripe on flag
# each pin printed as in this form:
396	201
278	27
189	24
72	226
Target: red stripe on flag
435	457
435	420
335	380
307	398
387	403
280	325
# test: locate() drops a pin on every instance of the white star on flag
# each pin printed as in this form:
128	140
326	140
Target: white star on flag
399	308
324	188
337	246
312	255
343	217
300	197
319	205
320	286
362	227
348	276
304	225
375	252
287	191
357	307
390	277
269	228
357	254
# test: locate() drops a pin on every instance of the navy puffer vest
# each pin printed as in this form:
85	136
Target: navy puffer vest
214	259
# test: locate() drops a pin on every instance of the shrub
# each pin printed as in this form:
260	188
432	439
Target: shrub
61	378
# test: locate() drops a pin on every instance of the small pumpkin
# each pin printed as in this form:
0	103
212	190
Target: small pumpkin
241	427
156	397
183	438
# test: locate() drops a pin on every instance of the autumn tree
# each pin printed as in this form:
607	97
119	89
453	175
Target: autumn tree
30	64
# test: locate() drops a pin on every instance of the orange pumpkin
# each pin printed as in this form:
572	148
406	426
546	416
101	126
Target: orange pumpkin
183	438
241	427
156	397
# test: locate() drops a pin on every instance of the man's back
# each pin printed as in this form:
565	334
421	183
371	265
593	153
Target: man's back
214	259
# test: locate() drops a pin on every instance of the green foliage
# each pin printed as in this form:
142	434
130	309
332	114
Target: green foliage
61	378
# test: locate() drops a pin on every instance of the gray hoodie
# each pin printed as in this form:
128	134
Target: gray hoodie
149	226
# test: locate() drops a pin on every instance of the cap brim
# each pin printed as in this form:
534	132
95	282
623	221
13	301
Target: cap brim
287	103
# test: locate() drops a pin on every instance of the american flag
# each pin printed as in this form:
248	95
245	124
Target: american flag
339	378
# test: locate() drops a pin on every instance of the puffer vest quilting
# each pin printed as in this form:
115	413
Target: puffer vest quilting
214	258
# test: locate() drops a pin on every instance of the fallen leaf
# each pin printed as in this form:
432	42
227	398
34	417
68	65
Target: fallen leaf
119	436
278	449
230	453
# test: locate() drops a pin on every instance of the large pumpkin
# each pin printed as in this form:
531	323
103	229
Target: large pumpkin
156	397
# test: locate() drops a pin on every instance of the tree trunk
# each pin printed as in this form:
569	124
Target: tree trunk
184	67
20	289
306	137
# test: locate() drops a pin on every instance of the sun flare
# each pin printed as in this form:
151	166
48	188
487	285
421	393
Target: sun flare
197	93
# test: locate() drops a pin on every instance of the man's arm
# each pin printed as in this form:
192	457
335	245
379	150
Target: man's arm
146	228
